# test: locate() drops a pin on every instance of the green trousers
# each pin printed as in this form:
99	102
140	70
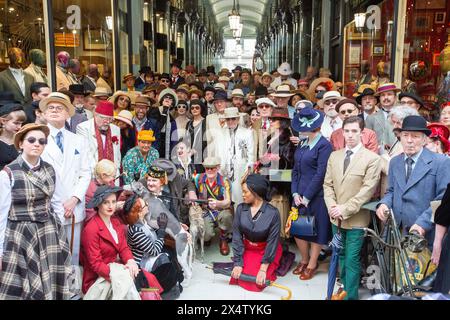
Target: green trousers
349	261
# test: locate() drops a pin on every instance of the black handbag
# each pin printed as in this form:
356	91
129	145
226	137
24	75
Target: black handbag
303	224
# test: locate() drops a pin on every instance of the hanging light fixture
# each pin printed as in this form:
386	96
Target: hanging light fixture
360	20
238	32
234	18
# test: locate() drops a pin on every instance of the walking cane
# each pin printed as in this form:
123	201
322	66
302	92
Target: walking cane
72	236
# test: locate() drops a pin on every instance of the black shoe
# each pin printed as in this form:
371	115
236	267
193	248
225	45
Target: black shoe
324	254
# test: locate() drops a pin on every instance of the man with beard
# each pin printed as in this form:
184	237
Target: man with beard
209	99
379	122
368	102
81	114
142	122
332	122
236	79
237	100
251	97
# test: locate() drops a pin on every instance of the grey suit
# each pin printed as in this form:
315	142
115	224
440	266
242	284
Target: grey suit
89	86
9	83
383	129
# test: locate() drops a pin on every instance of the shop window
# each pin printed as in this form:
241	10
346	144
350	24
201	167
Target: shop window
22	26
368	49
84	30
425	38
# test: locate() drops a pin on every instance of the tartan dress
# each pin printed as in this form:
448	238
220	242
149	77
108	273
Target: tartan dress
36	263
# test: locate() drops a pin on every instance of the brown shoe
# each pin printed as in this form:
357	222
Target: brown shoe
339	295
308	273
224	248
299	268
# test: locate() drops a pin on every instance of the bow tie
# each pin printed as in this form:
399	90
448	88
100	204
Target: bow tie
80	110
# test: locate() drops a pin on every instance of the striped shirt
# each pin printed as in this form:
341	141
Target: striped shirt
141	244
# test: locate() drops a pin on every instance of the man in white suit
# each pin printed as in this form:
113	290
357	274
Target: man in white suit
67	153
236	152
103	137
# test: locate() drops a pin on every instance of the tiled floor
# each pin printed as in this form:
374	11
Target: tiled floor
205	285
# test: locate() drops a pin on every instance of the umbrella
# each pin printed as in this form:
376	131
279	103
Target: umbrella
337	246
227	268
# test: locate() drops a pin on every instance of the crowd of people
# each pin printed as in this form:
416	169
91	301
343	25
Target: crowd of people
242	146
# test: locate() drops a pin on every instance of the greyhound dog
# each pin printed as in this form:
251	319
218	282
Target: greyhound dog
197	228
184	247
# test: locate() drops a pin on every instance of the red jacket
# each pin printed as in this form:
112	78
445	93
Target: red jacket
98	249
368	139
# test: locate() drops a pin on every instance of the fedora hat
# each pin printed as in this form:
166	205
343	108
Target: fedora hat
328	96
143	100
146	135
366	92
224	72
78	89
387	87
344	101
101	92
265	101
183	88
211	162
18	137
237	68
125	116
278	112
230	113
224	78
237	93
266	74
127	77
197	91
415	123
412	96
57	97
168	166
307	120
284	69
117	94
283	91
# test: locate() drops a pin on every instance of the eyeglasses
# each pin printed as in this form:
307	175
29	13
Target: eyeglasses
347	111
165	80
211	169
124	99
57	108
330	102
195	108
41	141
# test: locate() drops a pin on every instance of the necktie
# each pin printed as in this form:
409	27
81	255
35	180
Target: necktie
347	159
59	141
409	163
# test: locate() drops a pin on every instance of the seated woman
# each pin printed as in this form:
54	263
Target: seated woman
103	240
256	232
104	175
147	245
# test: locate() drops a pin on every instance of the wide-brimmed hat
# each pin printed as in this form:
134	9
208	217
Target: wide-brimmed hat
117	94
105	108
127	77
168	166
225	72
101	92
328	96
366	92
219	86
279	112
230	113
265	101
57	97
183	88
125	116
415	123
169	92
387	87
284	69
220	95
327	82
283	91
441	132
224	78
78	89
10	107
363	87
146	135
237	93
100	194
197	91
211	162
412	96
302	93
29	127
266	74
307	120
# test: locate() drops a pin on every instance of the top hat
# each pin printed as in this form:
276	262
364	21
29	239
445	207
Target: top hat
415	123
202	73
307	120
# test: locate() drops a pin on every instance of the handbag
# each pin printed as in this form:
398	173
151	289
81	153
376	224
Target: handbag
301	223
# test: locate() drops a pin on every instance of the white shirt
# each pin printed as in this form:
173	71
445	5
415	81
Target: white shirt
354	150
20	78
330	125
6	185
113	232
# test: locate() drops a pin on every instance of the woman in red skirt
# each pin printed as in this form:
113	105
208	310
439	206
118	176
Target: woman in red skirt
256	233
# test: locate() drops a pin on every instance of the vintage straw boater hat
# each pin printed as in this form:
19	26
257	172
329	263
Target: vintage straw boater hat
29	127
307	120
230	113
58	98
211	162
283	91
146	135
415	123
387	87
101	92
127	77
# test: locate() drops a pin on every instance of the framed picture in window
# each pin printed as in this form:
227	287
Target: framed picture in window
354	55
378	49
436	59
439	17
422	22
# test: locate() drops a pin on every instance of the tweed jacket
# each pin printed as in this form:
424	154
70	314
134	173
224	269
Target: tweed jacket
383	129
9	83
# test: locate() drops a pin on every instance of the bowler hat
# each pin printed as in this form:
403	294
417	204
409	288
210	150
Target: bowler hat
366	92
412	96
100	194
415	123
307	120
260	91
238	68
78	89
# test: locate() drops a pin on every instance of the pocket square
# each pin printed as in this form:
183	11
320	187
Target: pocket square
76	152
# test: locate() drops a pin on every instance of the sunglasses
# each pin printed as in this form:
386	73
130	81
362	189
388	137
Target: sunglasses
165	80
330	102
318	91
124	99
348	111
195	108
41	141
181	106
265	106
